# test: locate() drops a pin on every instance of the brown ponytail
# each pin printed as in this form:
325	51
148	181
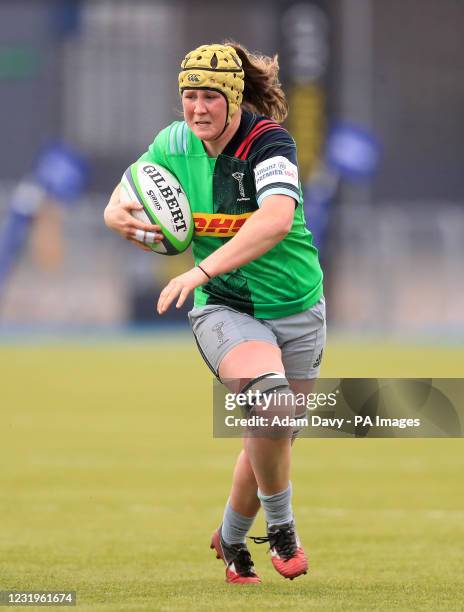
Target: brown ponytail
263	92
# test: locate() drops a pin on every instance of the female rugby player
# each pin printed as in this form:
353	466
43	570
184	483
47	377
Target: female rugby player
259	315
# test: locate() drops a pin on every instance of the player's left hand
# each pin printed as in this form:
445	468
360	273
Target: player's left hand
180	287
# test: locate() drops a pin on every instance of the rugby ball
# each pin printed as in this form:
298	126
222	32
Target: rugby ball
164	203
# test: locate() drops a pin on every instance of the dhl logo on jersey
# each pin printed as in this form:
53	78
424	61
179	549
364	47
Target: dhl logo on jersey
217	224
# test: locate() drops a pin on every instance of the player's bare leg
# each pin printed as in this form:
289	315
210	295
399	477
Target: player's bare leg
244	491
268	460
229	540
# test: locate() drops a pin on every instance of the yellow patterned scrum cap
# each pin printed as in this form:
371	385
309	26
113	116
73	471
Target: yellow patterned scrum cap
215	67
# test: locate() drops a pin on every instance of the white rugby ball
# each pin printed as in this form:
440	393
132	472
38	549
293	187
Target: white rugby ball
164	203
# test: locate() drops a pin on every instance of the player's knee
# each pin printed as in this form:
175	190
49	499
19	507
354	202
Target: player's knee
299	424
271	406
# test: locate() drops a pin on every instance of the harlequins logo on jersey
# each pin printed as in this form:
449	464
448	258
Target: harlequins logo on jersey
238	176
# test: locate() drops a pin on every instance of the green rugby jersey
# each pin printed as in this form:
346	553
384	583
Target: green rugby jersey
223	192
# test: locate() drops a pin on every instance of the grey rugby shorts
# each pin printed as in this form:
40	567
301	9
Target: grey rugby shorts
301	337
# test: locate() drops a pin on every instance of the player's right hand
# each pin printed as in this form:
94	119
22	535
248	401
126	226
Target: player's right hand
118	217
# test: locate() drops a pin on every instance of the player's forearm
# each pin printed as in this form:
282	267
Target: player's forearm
257	236
114	200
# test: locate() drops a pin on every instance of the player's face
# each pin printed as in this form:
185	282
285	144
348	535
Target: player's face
205	112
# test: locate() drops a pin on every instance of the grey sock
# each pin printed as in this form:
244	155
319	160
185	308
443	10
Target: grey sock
235	526
278	507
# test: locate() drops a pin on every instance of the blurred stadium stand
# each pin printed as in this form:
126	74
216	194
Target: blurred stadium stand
103	77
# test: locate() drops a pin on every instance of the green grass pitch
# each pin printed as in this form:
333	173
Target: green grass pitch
111	484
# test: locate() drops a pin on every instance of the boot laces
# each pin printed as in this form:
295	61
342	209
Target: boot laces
242	561
282	539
